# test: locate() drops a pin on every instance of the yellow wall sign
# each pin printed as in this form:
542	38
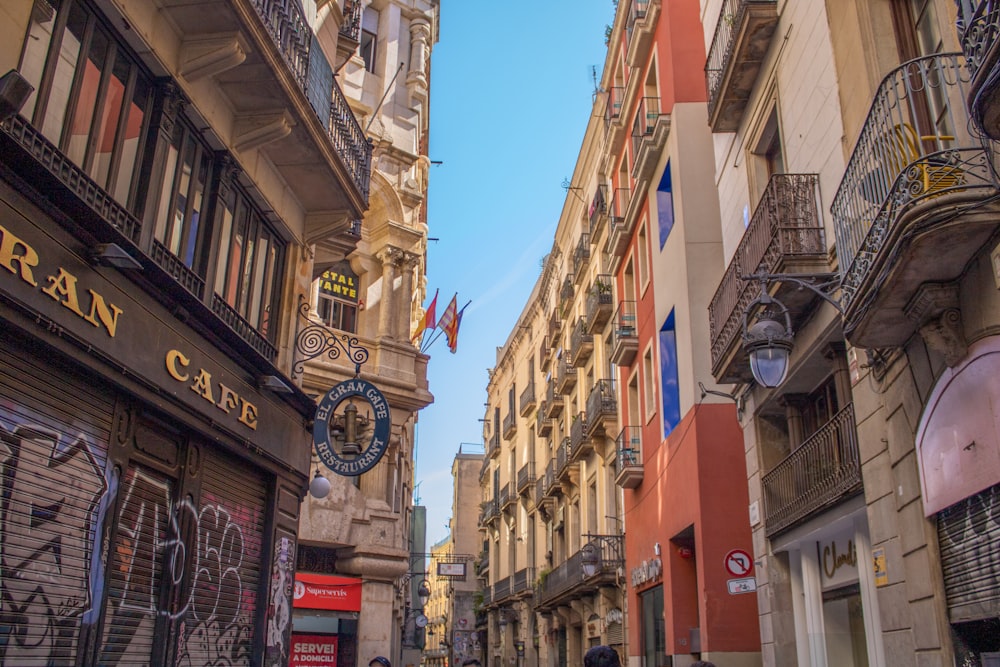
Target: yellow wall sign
881	572
340	281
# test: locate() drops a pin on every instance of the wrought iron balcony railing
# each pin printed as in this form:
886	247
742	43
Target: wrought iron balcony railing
544	354
820	472
579	440
602	407
628	457
543	422
493	445
786	228
351	27
616	96
527	401
565	376
618	233
501	590
525	477
594	565
624	335
581	343
742	35
600	301
563	459
645	121
581	257
598	210
981	45
508	496
509	424
523	581
553	400
914	147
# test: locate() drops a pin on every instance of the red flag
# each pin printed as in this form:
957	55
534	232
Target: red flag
427	321
449	319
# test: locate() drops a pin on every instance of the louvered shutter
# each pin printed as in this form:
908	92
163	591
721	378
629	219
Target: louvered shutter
969	535
54	430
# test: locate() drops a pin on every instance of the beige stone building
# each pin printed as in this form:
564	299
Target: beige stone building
847	164
371	296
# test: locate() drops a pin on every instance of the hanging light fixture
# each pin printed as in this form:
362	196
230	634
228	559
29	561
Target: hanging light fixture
319	487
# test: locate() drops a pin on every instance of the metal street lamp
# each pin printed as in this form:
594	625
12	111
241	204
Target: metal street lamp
769	340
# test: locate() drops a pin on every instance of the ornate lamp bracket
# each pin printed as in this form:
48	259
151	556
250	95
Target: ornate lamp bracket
315	339
822	285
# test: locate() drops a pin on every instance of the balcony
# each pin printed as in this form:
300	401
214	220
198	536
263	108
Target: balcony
508	497
628	457
527	401
618	235
600	301
525	477
566	293
742	36
493	445
544	354
581	258
555	328
981	45
543	423
642	16
501	590
484	469
598	211
552	488
649	136
785	235
567	471
581	343
613	112
509	424
565	376
822	471
915	206
553	401
624	336
350	32
594	566
491	511
522	584
580	445
602	408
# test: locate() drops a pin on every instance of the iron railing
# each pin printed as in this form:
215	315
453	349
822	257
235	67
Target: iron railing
785	223
625	322
644	122
914	146
507	496
493	445
501	590
509	423
599	302
527	400
581	342
581	256
603	553
543	422
544	353
598	208
565	376
351	27
287	25
523	581
601	403
563	458
578	436
525	476
822	470
616	96
727	28
981	33
628	457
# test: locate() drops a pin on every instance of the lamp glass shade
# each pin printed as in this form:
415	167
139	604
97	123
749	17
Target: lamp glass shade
319	487
769	365
423	593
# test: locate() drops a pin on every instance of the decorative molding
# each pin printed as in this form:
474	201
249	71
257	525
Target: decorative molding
256	130
211	55
947	336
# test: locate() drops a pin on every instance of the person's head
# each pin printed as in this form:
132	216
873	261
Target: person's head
601	656
702	663
379	661
471	662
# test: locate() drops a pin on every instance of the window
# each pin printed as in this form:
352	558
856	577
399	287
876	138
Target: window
648	384
179	225
665	205
91	98
642	250
767	155
250	262
668	375
369	37
337	303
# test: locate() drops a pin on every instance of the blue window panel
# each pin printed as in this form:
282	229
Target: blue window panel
665	205
670	391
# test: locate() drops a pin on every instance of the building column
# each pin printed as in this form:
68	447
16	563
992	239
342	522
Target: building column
793	415
389	257
409	262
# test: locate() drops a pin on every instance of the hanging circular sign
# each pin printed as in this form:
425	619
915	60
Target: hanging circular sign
347	425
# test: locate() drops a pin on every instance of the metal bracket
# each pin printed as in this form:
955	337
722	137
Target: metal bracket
314	340
820	284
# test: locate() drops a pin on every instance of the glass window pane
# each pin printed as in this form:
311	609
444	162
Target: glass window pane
121	189
166	192
36	49
75	145
107	122
62	82
181	200
225	234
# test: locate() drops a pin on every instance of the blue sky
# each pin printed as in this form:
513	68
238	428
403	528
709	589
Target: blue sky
511	92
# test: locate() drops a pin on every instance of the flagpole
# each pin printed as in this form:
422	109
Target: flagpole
440	331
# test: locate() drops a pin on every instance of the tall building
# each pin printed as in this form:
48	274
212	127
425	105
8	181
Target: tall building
857	185
167	172
452	636
369	299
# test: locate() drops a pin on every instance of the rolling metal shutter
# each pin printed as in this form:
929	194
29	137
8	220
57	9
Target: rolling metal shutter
219	625
54	433
969	535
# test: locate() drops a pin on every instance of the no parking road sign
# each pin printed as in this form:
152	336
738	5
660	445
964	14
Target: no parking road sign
738	563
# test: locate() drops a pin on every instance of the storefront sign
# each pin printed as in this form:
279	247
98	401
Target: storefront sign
110	320
327	591
648	570
838	561
327	416
340	281
313	650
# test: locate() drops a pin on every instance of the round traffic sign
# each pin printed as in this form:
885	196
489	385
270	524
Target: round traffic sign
738	563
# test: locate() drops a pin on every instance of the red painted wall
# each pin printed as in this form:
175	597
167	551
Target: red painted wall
695	478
